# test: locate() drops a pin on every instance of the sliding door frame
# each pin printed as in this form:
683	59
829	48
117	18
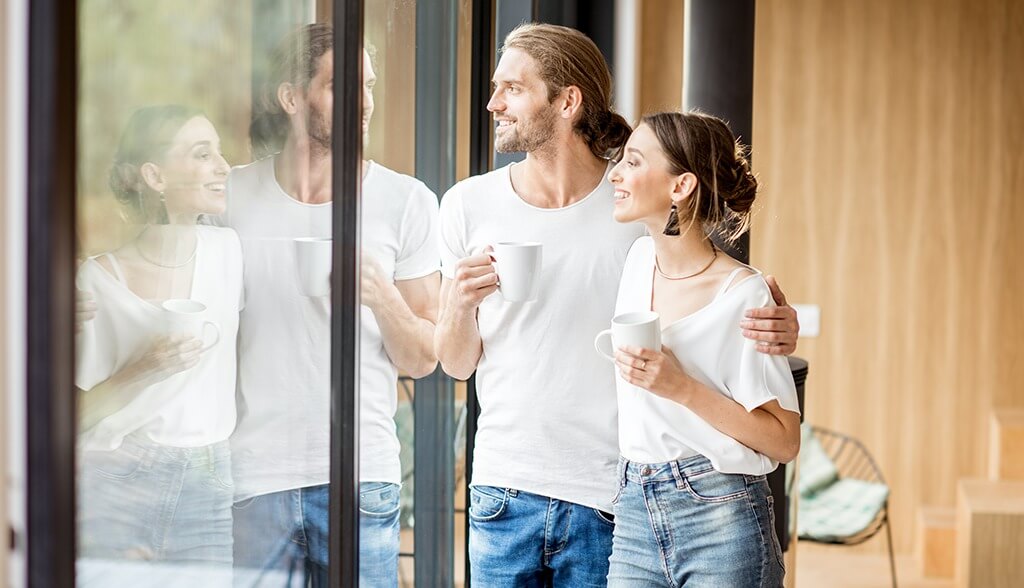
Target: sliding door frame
51	409
347	180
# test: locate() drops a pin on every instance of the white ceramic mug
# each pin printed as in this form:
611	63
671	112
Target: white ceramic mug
185	317
641	329
518	267
313	262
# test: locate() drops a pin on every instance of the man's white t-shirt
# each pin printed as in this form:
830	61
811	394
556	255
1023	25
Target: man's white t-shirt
713	351
282	440
192	408
547	399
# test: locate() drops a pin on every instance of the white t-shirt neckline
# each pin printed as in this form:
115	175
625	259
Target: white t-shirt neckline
727	287
278	190
154	303
596	190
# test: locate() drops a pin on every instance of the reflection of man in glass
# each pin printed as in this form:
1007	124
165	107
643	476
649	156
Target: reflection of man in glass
544	469
282	439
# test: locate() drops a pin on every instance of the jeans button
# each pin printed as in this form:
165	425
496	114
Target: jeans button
646	471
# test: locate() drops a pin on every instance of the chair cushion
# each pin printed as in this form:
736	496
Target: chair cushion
816	469
843	509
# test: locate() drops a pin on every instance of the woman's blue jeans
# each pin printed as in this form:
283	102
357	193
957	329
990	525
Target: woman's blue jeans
682	523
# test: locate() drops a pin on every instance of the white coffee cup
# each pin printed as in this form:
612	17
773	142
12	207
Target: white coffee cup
313	262
640	329
518	267
185	317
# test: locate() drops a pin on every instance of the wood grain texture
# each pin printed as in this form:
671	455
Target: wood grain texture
1006	444
889	142
936	541
390	27
660	37
990	529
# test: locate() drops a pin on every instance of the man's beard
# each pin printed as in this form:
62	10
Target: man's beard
319	132
527	137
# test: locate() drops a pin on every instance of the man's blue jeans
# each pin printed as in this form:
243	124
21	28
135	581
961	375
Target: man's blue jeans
682	523
281	538
523	540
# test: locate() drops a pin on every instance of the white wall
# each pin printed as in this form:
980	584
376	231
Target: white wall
13	183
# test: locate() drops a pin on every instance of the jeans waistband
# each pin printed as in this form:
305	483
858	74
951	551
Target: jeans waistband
670	471
149	452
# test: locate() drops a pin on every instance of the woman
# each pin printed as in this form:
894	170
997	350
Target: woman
702	420
157	407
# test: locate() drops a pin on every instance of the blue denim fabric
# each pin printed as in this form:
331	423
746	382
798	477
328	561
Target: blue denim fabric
145	502
281	538
682	523
522	540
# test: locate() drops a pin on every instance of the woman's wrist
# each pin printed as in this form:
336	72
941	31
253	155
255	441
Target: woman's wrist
684	390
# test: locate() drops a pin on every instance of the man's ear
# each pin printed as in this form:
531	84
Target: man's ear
685	184
572	102
287	97
153	176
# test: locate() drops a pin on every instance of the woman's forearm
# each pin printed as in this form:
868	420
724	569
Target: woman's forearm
774	433
107	397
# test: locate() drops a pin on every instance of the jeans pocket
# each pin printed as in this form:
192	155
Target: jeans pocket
115	465
379	499
604	517
714	487
247	503
487	503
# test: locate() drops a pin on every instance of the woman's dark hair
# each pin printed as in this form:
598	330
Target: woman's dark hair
146	138
705	146
295	61
566	57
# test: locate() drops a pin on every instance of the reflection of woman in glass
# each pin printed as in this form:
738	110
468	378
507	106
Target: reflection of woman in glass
702	420
157	385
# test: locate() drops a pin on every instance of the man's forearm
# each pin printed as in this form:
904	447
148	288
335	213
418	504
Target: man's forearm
408	339
457	341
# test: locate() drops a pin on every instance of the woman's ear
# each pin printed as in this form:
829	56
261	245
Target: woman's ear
153	177
684	185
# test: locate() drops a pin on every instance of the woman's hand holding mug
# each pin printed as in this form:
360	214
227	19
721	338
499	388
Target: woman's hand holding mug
167	356
658	372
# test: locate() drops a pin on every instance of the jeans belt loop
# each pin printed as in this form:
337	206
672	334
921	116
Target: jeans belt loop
623	468
680	479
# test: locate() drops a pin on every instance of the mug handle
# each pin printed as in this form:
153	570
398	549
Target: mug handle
497	273
216	333
603	344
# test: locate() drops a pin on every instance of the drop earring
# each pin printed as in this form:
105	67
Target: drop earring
672	227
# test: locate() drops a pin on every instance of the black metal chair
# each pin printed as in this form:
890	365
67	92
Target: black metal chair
853	461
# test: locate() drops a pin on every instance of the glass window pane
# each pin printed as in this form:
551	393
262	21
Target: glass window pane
203	338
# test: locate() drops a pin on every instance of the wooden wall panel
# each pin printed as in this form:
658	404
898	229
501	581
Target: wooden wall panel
889	140
660	37
390	26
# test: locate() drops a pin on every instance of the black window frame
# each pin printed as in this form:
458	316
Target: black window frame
51	405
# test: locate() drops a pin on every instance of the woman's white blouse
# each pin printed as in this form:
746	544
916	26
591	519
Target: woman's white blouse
191	408
711	348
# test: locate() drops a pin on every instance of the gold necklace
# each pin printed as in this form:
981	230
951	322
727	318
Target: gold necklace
138	248
714	256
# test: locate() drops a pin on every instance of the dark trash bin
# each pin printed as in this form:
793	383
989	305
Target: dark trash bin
777	479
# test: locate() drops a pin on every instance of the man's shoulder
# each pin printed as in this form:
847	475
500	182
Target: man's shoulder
253	168
480	186
396	182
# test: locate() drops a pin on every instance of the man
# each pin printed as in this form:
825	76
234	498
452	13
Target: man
546	446
281	445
